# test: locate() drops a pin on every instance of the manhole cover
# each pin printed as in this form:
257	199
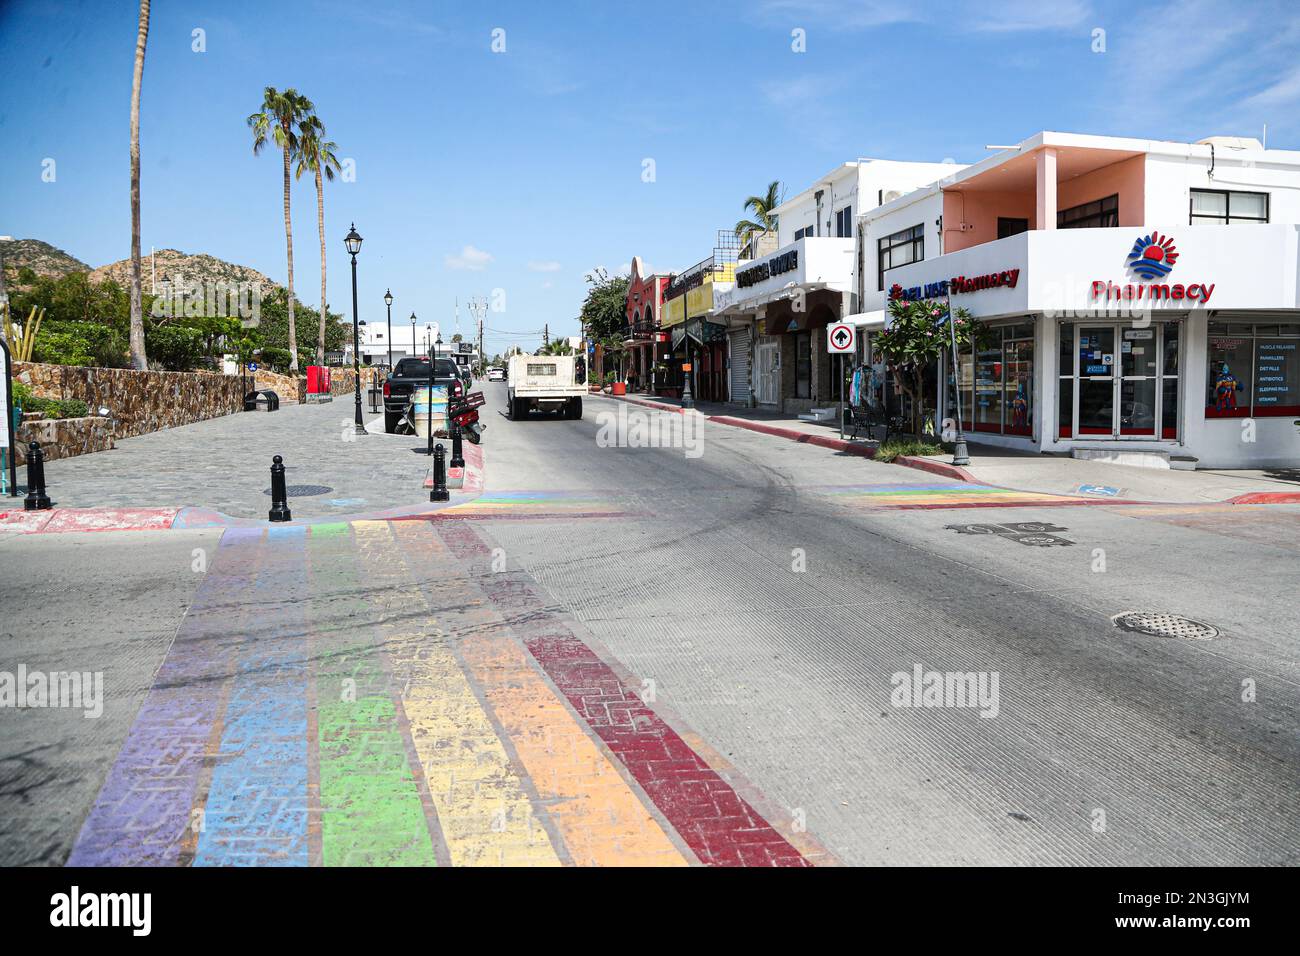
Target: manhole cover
1159	624
304	491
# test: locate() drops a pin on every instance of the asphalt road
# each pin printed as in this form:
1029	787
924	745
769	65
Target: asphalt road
765	596
770	593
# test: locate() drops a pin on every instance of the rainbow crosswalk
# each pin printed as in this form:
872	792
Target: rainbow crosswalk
946	495
535	504
369	693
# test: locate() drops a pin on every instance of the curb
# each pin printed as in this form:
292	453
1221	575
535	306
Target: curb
804	438
1266	498
956	472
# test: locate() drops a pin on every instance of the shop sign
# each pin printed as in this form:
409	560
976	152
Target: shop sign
957	285
1152	257
777	265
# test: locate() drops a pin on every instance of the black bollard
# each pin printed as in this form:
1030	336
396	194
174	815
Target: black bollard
457	447
439	492
37	499
279	494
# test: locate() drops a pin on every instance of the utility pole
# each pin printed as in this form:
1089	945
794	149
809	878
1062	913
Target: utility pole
546	334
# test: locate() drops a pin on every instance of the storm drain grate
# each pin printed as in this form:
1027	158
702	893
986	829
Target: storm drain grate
304	491
1160	624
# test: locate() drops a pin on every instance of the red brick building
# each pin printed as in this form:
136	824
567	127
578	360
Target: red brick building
645	299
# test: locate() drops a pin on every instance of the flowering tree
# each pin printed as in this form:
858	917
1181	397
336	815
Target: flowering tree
915	341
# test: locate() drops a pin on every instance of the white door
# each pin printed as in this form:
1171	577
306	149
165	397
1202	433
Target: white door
766	373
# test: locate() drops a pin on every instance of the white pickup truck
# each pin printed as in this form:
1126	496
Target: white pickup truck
549	383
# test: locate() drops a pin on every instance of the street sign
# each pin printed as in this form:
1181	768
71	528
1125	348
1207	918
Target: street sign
841	338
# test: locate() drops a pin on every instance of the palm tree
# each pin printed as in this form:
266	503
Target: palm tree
316	153
279	119
139	359
763	221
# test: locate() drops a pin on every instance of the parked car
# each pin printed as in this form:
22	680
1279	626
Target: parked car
410	374
496	374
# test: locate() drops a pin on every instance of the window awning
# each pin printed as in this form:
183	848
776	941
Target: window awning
873	321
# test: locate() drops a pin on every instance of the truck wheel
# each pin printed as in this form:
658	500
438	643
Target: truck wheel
574	409
391	421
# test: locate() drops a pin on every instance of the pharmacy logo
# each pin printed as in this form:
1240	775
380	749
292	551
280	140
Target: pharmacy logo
1153	256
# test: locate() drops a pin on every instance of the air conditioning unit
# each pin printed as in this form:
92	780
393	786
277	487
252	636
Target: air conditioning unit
890	195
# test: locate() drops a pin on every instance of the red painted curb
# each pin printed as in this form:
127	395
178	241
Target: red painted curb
647	403
1266	498
804	438
937	468
89	519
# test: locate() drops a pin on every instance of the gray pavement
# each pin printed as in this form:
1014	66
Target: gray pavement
224	464
770	592
1109	746
107	603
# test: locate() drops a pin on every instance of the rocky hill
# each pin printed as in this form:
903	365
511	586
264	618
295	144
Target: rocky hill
41	257
173	265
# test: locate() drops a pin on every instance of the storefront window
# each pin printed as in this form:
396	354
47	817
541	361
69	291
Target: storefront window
1065	384
1254	371
997	383
1117	380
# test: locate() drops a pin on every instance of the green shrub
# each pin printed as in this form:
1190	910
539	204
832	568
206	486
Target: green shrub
906	446
176	348
22	394
276	359
56	407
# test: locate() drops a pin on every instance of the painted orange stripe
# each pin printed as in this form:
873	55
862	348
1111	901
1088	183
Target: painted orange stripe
600	817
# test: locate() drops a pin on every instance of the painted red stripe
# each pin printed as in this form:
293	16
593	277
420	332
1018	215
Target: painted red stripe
719	826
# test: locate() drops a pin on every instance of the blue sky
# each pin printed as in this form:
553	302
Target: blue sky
520	171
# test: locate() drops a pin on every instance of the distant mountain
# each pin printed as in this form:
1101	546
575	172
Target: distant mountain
41	257
172	266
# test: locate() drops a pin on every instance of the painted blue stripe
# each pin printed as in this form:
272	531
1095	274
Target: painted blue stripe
256	811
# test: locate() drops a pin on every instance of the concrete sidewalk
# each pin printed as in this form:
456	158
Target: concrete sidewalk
1021	470
1063	475
207	472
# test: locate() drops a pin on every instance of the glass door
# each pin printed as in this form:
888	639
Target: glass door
1139	382
1127	382
1095	410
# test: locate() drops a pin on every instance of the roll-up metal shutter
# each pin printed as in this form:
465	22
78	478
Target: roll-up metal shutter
739	343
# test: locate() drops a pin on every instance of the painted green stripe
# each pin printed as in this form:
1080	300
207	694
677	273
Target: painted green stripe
371	814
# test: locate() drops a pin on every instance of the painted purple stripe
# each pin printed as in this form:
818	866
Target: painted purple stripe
143	811
256	810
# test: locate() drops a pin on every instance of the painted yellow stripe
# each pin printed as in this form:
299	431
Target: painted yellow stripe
599	815
483	810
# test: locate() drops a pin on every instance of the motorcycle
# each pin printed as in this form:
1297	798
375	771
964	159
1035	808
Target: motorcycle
463	410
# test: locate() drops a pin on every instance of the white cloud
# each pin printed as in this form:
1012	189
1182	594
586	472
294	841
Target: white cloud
549	265
1284	92
469	260
547	284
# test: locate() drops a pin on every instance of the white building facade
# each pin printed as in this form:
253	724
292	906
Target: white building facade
1142	296
782	300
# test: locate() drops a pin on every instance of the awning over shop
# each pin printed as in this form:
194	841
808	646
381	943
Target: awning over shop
754	303
705	332
873	321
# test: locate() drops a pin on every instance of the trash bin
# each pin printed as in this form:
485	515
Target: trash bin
263	400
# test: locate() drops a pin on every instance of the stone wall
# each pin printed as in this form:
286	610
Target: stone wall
288	388
138	402
63	437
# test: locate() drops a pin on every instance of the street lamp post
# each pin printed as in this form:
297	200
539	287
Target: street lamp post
388	301
412	335
960	455
353	243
